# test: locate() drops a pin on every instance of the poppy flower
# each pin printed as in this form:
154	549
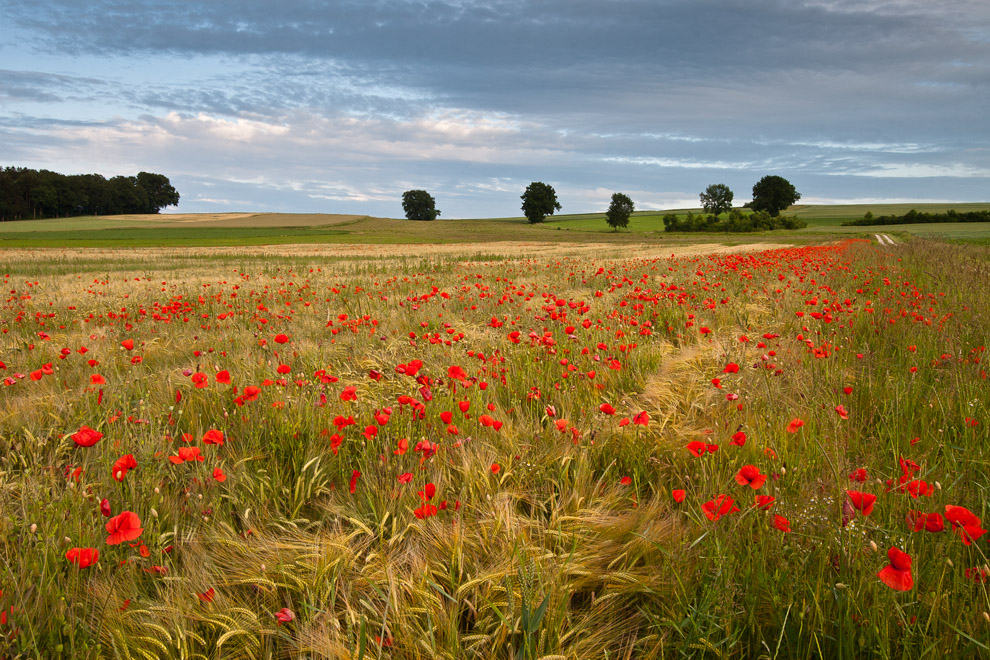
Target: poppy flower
731	368
425	511
349	393
285	615
124	527
794	425
128	344
122	465
964	523
496	468
281	339
722	505
83	557
405	477
678	494
186	454
897	574
223	377
607	408
698	448
105	508
86	437
930	522
354	479
738	439
625	481
764	502
782	523
643	419
859	475
219	475
863	502
749	475
842	411
213	437
207	596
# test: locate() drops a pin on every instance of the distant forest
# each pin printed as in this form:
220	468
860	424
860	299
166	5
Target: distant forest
31	194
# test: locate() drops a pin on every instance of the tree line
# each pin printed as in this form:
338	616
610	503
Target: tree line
913	216
32	194
771	195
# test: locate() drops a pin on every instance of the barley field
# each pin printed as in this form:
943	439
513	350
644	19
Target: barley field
510	451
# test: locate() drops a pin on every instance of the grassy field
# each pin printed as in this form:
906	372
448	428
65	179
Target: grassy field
537	450
283	228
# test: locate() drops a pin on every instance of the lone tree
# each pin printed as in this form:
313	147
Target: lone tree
716	199
539	201
419	205
773	194
619	211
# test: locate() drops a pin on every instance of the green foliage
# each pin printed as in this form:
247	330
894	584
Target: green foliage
619	211
915	217
716	199
27	193
736	222
419	205
539	201
773	194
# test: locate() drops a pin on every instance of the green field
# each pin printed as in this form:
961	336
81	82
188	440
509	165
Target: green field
208	230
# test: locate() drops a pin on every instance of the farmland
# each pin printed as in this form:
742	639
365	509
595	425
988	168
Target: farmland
623	446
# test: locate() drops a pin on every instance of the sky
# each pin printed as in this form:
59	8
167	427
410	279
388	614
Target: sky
340	106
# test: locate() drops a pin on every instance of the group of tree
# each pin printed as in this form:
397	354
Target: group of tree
29	194
771	195
913	216
734	222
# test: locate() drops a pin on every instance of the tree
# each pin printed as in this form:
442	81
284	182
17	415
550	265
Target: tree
773	194
159	191
539	201
716	199
419	205
619	211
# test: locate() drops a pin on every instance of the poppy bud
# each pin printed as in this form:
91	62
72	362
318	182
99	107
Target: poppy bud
840	586
783	470
987	617
154	513
873	547
949	562
938	486
262	568
34	528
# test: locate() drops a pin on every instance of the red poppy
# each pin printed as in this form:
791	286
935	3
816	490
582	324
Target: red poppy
403	447
495	468
223	377
284	615
862	501
607	408
122	465
897	574
186	454
625	481
207	596
105	508
349	393
83	557
678	494
281	339
859	475
731	368
283	369
782	523
128	344
643	419
964	523
219	475
405	477
354	480
124	527
86	437
930	522
764	502
749	475
795	425
842	411
722	505
213	437
698	448
738	439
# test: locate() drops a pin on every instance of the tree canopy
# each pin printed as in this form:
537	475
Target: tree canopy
619	211
419	205
539	201
773	194
716	199
27	194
